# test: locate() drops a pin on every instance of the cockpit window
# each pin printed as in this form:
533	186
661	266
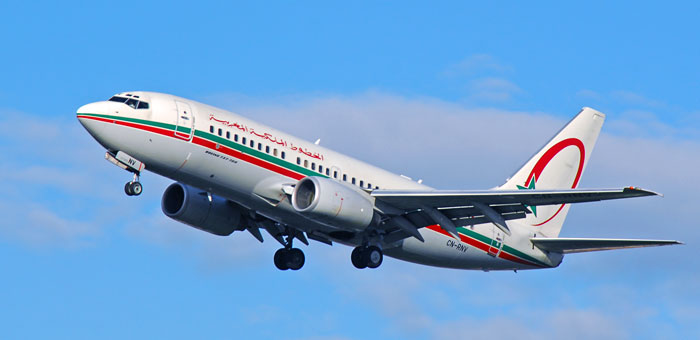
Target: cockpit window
133	103
117	99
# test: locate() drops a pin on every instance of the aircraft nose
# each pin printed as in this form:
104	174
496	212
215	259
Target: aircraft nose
88	108
88	114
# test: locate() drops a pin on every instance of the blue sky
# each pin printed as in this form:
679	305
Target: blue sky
475	89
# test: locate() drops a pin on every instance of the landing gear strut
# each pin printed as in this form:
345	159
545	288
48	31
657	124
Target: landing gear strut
288	257
133	188
366	257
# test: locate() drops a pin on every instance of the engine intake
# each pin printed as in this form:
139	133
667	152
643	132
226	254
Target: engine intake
333	203
192	206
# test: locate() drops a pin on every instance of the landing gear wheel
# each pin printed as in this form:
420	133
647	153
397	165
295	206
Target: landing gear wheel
292	259
372	257
127	189
356	258
136	188
281	259
133	188
295	258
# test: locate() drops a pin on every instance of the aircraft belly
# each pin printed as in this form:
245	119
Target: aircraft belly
247	184
443	251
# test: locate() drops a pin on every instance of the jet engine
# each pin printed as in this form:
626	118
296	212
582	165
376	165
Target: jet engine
334	203
198	209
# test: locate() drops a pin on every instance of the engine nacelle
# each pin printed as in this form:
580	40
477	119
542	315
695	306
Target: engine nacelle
193	207
333	203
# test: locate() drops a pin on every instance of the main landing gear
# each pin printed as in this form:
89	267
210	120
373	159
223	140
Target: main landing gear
292	258
367	257
289	257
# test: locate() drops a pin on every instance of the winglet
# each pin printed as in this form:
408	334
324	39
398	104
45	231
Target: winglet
641	192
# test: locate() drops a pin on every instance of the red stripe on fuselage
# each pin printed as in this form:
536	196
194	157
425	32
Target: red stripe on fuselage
480	245
247	158
207	144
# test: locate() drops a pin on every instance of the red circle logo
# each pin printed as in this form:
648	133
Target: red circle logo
547	157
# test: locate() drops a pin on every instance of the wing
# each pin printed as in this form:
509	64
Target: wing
451	208
580	245
453	198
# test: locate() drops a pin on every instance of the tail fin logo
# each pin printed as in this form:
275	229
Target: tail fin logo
542	164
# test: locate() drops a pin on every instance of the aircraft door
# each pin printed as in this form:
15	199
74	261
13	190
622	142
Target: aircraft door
496	242
184	128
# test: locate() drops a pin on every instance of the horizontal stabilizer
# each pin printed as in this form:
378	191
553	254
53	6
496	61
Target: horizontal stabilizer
580	245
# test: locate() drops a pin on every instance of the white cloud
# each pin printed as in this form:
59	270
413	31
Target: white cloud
493	89
632	98
39	227
588	94
476	64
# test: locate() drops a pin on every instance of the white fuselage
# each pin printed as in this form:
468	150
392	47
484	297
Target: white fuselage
246	162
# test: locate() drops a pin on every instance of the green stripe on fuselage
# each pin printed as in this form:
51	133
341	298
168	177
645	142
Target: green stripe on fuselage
256	153
216	139
487	240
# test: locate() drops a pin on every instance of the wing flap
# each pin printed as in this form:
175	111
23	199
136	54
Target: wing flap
580	245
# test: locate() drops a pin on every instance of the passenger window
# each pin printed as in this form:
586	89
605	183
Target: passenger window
320	168
345	177
328	172
235	137
132	103
274	152
260	146
306	163
362	183
267	149
335	174
220	132
298	161
283	155
313	166
228	134
353	180
369	186
252	143
244	140
211	128
143	105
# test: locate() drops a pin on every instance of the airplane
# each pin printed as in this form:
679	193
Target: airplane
234	174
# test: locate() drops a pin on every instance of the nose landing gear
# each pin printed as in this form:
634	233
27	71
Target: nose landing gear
133	188
131	164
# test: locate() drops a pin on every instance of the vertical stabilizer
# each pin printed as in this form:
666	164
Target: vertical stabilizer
558	165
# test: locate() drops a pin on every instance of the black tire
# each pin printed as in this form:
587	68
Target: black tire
281	259
357	258
373	257
127	189
295	259
136	188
